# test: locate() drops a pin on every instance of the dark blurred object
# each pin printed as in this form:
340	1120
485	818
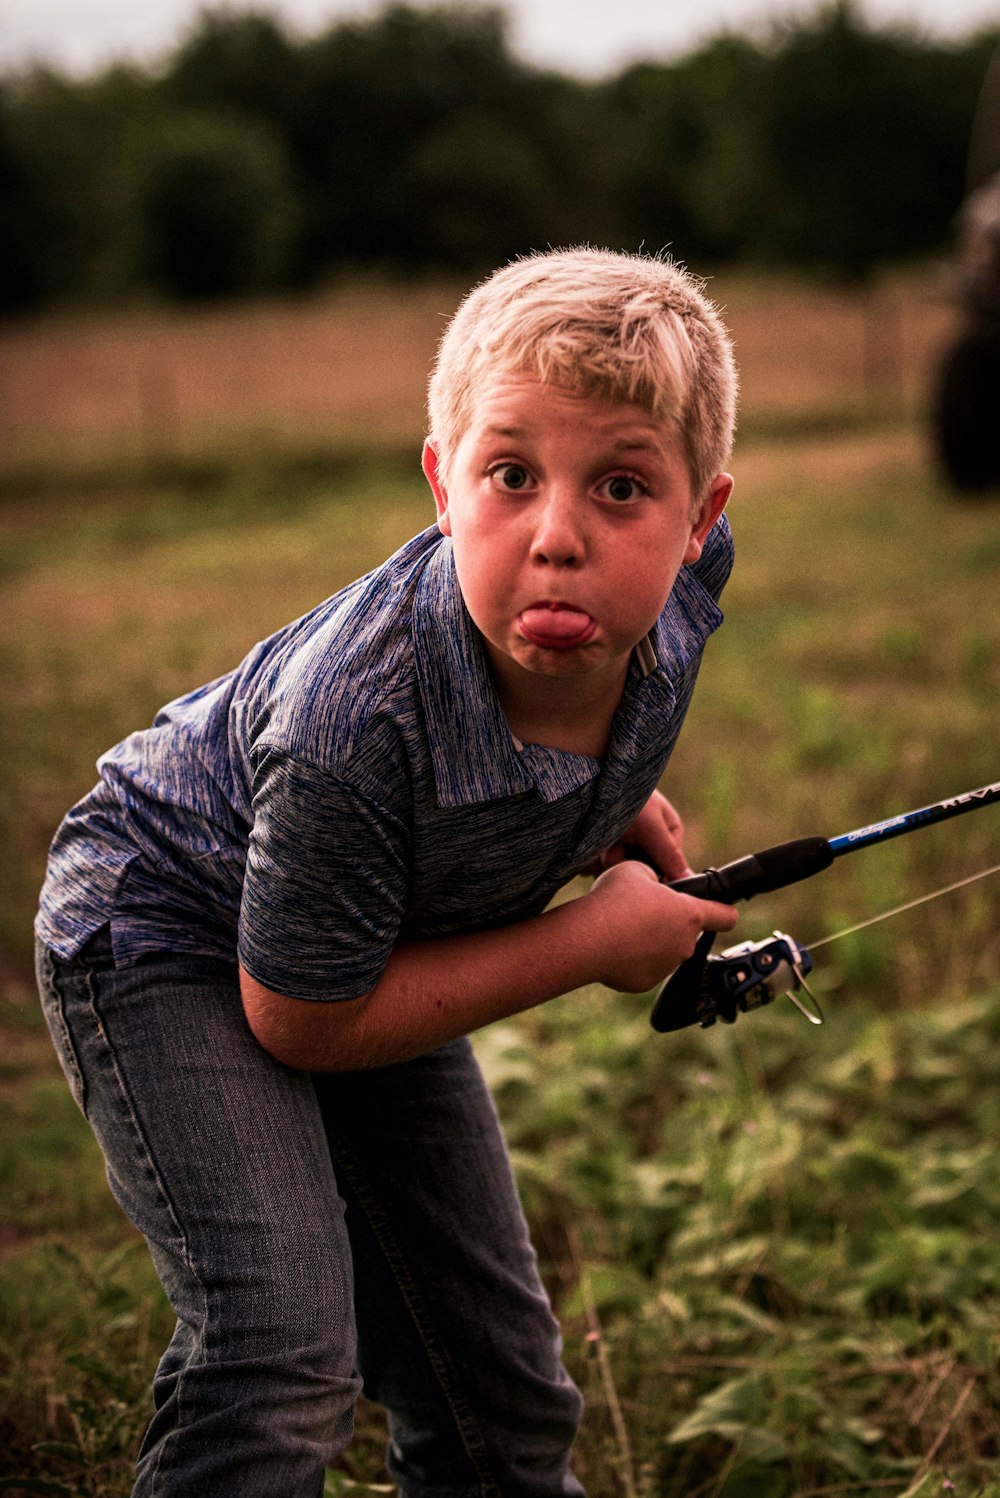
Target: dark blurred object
966	400
966	411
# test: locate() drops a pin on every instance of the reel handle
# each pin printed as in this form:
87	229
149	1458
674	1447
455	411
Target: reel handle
678	1000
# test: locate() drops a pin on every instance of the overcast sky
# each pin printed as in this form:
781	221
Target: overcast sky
588	37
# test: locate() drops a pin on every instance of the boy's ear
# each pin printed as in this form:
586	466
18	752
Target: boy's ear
430	462
718	497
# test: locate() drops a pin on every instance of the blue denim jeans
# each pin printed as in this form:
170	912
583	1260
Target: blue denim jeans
312	1232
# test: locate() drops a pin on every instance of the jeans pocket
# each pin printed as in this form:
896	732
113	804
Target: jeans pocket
54	1010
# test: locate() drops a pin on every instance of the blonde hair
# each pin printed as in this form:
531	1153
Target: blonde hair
630	328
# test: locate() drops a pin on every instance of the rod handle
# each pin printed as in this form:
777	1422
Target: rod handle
757	873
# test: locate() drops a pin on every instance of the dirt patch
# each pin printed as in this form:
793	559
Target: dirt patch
832	461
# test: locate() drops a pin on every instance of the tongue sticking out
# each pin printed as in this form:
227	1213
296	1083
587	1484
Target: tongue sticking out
555	626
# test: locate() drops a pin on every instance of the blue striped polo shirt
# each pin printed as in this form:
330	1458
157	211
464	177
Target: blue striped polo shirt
354	783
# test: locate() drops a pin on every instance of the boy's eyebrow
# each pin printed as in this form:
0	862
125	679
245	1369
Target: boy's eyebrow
635	444
624	447
619	444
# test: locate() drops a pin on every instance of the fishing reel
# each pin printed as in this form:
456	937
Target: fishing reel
710	987
706	988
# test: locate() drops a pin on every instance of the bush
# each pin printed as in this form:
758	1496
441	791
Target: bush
215	207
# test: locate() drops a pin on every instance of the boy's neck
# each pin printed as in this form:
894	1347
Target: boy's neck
573	713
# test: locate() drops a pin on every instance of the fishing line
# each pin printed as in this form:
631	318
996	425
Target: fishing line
899	909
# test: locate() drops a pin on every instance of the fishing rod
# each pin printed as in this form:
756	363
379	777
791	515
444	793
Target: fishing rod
708	988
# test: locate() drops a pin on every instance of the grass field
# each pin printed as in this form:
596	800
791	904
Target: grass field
774	1247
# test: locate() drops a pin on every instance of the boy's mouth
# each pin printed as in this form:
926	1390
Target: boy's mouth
556	626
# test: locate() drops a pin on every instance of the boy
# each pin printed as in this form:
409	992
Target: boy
266	933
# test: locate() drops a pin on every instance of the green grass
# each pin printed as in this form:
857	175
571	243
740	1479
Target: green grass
786	1241
773	1248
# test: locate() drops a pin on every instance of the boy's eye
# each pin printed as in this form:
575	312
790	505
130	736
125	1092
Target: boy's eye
511	476
622	487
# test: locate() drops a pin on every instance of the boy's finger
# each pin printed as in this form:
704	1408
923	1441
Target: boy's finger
717	917
665	852
673	820
675	865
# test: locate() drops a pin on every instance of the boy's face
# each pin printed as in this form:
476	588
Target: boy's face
570	517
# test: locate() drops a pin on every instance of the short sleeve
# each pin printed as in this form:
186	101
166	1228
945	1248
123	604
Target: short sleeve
326	883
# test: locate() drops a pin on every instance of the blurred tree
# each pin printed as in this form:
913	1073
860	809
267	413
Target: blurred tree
483	193
726	88
647	148
383	99
414	139
216	213
237	62
866	134
690	145
25	216
579	131
66	217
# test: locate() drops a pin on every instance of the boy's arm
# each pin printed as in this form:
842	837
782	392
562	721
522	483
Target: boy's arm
627	932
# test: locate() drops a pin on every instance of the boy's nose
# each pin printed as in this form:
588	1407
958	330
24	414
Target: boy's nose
558	539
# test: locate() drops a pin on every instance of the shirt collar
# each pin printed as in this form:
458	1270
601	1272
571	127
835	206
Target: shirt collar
682	630
474	755
659	661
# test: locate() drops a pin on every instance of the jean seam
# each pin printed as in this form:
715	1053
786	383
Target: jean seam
54	1007
465	1419
144	1150
106	1058
141	1144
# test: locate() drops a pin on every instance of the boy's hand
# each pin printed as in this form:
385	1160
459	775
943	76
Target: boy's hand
650	929
658	832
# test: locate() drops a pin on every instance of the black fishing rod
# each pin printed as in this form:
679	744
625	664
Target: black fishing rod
705	988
